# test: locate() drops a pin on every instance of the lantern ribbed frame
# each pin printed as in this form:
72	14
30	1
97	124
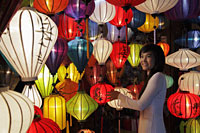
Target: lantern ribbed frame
27	42
190	126
165	47
169	81
126	3
183	59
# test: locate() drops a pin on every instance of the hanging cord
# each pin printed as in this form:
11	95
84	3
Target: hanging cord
87	37
119	122
154	27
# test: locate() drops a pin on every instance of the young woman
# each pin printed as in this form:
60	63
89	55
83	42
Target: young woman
152	96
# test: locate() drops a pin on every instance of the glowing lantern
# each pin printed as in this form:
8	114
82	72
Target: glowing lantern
102	50
169	81
17	111
190	82
135	89
125	3
81	106
50	6
98	92
54	109
165	47
45	82
134	57
183	59
25	44
149	24
190	126
184	105
119	54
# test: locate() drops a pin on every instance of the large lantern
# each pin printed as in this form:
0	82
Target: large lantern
165	47
126	3
27	42
184	105
50	6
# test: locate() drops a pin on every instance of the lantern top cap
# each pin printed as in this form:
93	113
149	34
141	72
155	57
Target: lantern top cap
28	8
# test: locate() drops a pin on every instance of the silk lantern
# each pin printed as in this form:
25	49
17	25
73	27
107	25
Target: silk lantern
134	57
169	81
17	111
98	92
165	47
119	54
50	6
190	82
190	126
183	59
54	109
102	49
77	52
27	42
126	3
81	106
184	105
45	82
57	55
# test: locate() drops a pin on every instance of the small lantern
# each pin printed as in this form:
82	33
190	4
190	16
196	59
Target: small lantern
190	126
169	81
165	47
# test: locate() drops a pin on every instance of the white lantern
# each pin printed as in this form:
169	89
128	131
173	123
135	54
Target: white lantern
116	103
102	49
156	6
32	93
16	113
190	82
27	41
103	12
183	59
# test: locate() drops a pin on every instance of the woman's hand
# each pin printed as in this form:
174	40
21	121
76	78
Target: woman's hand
112	95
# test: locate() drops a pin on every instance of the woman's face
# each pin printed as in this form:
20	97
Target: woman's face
147	61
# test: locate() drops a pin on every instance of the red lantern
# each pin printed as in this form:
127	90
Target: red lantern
119	54
126	3
165	47
38	111
184	105
98	92
50	6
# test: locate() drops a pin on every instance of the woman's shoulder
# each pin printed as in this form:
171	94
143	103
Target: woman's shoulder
159	75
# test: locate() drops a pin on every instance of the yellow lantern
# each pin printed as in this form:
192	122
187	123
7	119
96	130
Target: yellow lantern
54	109
149	24
134	57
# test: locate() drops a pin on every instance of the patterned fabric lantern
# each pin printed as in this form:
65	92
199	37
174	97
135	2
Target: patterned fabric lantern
98	92
45	82
103	12
81	106
27	48
165	47
54	109
184	9
119	54
134	57
116	103
126	3
190	82
169	81
184	105
77	52
57	55
102	50
68	28
183	59
190	126
32	93
17	111
50	6
149	24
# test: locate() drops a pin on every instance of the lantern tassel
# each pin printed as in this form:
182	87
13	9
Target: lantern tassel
67	127
87	38
119	123
154	34
70	117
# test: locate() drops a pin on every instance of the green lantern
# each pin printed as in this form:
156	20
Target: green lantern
134	57
169	81
192	126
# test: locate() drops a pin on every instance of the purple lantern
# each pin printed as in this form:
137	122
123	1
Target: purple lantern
57	55
79	9
184	9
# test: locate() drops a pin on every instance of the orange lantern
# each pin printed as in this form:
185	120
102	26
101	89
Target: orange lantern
165	47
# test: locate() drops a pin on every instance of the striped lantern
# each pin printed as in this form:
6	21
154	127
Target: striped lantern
17	112
165	47
54	109
190	126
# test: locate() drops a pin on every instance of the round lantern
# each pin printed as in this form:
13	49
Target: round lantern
32	93
190	126
17	111
98	92
81	106
190	82
184	105
45	82
50	6
102	50
183	59
27	42
103	12
149	24
134	57
169	81
54	109
126	3
116	103
165	47
119	54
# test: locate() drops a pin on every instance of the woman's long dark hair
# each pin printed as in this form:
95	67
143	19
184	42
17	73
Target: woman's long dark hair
159	62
